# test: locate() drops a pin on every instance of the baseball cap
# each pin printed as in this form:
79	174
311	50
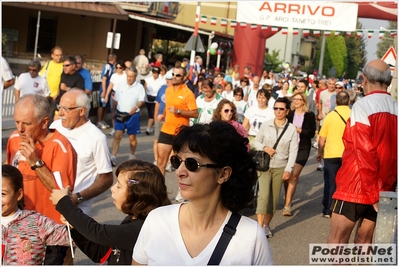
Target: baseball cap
168	76
340	84
269	82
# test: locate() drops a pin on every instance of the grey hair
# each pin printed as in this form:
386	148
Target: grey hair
352	94
35	63
82	100
377	75
158	56
131	68
40	103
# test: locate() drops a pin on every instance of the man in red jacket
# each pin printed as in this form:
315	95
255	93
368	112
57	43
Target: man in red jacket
369	161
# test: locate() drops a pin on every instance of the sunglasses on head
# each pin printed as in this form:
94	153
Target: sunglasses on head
191	164
177	75
227	111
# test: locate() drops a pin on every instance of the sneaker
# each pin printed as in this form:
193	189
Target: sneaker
147	132
112	132
179	198
320	167
287	211
327	216
169	168
315	145
132	157
268	233
100	124
113	160
105	125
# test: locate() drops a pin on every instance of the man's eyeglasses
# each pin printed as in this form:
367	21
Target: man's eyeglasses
177	75
227	111
281	109
191	164
66	109
67	65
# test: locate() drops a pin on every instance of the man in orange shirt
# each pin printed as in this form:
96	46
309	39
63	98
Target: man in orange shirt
41	156
180	106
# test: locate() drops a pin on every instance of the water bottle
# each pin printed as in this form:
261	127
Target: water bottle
103	103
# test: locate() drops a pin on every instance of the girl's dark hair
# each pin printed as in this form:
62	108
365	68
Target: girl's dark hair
15	177
264	92
121	63
146	188
220	142
238	90
208	83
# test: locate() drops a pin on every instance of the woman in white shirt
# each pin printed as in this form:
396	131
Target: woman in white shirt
284	91
215	174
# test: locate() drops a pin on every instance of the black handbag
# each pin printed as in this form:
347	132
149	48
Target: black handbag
122	116
262	159
151	98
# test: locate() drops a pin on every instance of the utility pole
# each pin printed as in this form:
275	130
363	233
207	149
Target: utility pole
323	47
192	57
37	34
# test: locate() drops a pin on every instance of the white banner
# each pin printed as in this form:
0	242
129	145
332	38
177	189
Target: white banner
303	15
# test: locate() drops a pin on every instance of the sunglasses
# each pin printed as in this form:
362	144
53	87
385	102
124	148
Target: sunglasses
177	75
191	164
67	65
338	87
282	109
227	111
119	68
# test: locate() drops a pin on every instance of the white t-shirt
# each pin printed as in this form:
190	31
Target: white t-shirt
28	85
241	108
257	116
206	109
91	146
117	80
228	95
280	94
325	99
252	100
153	86
162	243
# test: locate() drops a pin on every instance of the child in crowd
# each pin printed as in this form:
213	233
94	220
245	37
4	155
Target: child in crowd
139	189
25	233
228	91
219	89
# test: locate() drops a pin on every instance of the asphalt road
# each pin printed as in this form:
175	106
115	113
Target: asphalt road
292	235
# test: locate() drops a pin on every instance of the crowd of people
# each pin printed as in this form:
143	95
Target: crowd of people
213	122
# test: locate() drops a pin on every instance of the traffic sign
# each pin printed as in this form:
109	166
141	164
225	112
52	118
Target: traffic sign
390	58
199	46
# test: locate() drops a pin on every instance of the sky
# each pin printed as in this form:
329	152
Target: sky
371	44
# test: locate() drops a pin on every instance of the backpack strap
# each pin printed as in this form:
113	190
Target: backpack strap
340	116
228	231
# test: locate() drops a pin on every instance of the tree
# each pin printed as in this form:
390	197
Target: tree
272	61
387	40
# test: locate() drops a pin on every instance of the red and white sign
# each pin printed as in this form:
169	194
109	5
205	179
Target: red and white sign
390	58
305	15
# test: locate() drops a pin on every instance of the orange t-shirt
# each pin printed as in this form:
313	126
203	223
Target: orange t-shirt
182	98
58	155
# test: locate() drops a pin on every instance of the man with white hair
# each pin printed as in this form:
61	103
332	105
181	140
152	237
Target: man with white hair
94	170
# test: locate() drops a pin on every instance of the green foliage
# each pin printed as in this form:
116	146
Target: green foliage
168	47
387	40
272	61
4	39
337	49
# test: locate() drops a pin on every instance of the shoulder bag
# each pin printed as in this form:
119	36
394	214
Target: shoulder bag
228	231
262	159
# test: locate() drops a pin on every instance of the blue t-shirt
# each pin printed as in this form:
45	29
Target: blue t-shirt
87	78
161	98
107	71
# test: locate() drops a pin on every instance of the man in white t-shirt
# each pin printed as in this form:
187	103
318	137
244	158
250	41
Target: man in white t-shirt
7	78
251	98
31	82
206	103
94	170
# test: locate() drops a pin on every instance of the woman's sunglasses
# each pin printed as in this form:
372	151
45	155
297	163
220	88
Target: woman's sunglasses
227	111
191	164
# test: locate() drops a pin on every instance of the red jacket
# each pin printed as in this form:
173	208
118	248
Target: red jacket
369	161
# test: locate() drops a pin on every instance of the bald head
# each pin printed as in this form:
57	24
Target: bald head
377	75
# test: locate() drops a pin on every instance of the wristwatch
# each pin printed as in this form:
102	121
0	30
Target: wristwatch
179	111
39	163
80	198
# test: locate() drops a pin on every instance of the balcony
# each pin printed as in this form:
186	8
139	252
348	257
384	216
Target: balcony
134	6
167	10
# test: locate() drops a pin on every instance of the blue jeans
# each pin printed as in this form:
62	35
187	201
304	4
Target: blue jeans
331	167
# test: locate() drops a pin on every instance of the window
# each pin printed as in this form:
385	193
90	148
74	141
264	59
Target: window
47	34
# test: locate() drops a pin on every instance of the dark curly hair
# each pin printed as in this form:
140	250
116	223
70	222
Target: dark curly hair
15	177
147	189
220	142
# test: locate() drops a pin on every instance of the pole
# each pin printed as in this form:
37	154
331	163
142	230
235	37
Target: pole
208	56
113	36
323	47
192	57
37	34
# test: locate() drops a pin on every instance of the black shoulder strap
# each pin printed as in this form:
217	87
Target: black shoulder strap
48	63
228	231
281	135
341	117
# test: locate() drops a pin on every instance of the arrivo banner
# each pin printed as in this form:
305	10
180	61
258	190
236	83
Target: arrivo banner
304	15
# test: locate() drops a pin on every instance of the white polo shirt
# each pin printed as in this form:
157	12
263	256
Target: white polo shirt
128	96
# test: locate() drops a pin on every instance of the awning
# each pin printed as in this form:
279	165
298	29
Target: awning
92	9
